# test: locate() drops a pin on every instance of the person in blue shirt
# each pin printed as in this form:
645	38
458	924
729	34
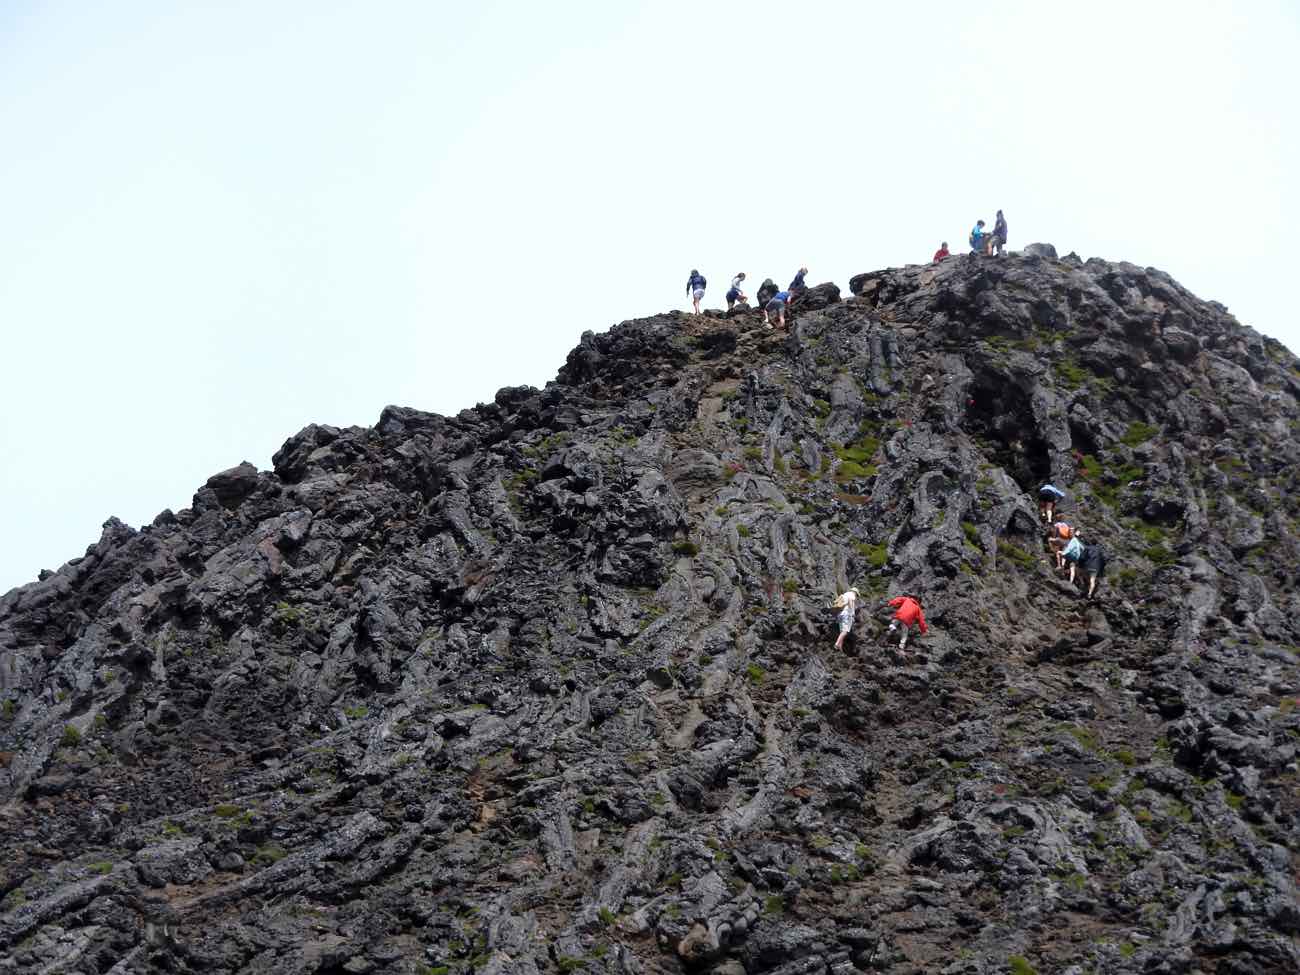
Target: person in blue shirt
797	284
695	286
1048	495
776	306
734	294
979	238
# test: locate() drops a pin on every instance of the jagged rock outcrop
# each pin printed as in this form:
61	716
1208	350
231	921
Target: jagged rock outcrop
549	685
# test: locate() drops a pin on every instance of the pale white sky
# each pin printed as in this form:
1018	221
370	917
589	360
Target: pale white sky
221	222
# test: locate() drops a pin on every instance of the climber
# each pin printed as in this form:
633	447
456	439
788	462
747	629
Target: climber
695	286
1072	552
999	235
1048	496
734	294
1058	535
797	286
978	238
940	254
776	307
908	612
1093	562
847	604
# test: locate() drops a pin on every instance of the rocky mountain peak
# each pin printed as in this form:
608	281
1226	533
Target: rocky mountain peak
550	685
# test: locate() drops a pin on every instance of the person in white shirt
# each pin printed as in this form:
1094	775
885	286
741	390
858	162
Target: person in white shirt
847	604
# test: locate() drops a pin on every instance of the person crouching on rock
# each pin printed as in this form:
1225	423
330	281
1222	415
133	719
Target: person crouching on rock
695	286
734	294
847	604
1093	563
907	613
1048	496
776	307
1058	536
941	253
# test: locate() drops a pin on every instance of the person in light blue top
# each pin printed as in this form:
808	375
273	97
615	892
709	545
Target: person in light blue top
1048	495
1072	553
776	306
979	238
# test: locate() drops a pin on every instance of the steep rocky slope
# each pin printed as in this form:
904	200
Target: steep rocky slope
548	686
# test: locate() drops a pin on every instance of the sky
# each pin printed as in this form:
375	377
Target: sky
222	222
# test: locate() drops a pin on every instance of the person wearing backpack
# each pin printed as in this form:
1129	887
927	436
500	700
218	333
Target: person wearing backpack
734	294
847	604
999	240
1093	562
1048	496
1058	536
695	286
907	614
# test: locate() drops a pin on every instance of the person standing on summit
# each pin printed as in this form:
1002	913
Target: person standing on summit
797	286
999	235
695	286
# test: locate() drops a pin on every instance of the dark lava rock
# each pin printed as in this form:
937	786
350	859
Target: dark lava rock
550	685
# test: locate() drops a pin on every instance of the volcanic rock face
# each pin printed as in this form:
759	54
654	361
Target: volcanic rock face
549	685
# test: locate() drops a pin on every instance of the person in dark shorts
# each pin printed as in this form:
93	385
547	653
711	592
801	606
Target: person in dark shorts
734	294
1093	564
1048	496
776	306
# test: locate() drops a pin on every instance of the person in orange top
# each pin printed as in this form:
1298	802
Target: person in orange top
907	610
1058	536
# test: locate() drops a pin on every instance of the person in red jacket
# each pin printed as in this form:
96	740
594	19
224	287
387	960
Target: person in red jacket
907	611
941	253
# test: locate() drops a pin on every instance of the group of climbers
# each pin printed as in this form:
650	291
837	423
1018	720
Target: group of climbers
1067	545
907	615
982	241
773	307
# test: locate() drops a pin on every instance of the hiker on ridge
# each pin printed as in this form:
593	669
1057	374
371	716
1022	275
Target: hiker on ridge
797	286
695	286
999	235
734	294
1093	562
979	238
941	253
776	307
847	604
908	612
1048	496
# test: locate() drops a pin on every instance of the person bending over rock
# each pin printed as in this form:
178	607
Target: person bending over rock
695	286
797	286
776	307
847	604
979	238
1093	563
941	253
734	294
1058	536
1048	496
999	239
1072	553
907	614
